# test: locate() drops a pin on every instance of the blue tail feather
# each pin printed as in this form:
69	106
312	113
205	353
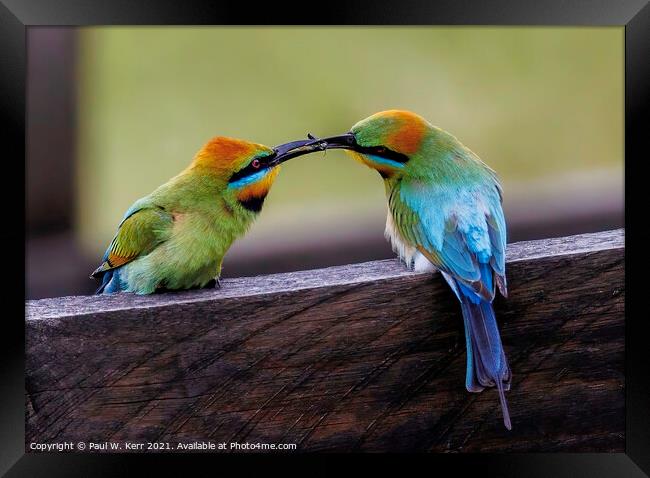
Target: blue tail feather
486	361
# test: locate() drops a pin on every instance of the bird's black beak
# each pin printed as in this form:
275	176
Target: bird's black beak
287	151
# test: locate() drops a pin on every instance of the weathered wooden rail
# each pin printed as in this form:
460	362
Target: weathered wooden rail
360	357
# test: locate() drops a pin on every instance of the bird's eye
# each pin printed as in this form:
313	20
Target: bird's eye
256	163
380	150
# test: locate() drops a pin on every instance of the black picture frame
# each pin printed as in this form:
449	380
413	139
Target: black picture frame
17	15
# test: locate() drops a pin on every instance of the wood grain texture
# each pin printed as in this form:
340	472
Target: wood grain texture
366	357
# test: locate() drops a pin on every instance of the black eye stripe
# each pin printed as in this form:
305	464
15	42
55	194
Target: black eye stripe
384	152
250	169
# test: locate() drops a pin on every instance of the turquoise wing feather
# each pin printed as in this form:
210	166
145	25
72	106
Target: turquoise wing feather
460	229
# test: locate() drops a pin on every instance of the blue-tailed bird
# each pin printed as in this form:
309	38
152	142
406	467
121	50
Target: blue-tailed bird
444	214
177	236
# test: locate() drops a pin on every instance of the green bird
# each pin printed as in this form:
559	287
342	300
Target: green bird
177	236
444	214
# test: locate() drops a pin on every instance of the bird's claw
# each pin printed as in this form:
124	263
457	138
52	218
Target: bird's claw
213	284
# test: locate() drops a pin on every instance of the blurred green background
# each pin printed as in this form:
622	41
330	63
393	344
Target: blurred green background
542	106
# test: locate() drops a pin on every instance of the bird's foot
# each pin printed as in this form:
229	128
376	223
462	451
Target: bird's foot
213	284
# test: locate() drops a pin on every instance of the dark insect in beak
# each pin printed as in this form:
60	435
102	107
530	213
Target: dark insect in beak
343	141
287	151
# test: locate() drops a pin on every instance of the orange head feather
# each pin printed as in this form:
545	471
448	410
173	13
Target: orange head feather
401	131
225	156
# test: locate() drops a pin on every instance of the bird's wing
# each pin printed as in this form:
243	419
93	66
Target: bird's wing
461	230
142	229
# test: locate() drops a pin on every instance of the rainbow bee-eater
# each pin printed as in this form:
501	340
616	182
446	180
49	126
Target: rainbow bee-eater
444	214
177	236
